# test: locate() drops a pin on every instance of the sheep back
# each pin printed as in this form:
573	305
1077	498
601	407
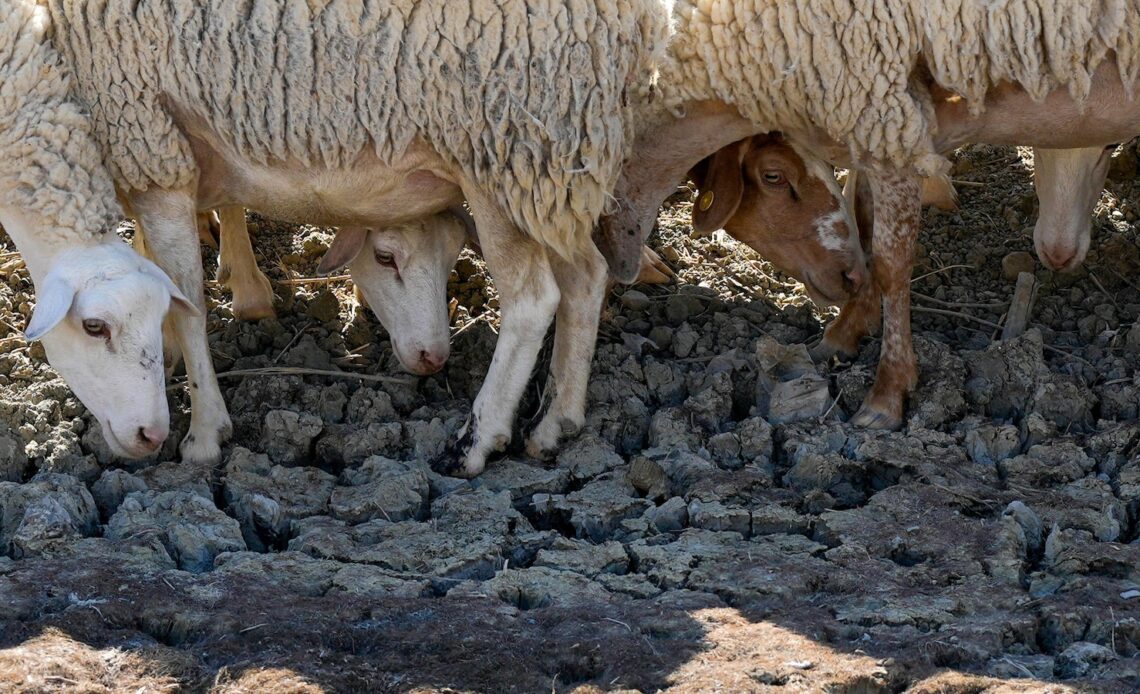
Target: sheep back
528	98
850	67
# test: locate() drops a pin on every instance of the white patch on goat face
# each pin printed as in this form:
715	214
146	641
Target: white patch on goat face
408	293
116	373
827	229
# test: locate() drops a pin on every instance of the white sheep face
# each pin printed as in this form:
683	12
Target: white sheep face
99	314
402	272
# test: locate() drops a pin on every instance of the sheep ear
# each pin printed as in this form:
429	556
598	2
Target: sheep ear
177	298
346	245
53	301
721	189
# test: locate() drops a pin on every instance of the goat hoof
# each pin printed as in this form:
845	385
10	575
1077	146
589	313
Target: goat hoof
871	416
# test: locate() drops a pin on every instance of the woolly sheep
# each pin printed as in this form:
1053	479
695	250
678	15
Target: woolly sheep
376	113
59	206
884	85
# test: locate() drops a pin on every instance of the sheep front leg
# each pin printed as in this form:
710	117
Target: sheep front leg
582	285
528	296
237	267
172	238
897	223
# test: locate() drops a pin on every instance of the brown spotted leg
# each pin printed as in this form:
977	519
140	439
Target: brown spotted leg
897	223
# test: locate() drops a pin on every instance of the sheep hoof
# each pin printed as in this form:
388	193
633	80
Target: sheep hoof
823	352
546	438
253	311
253	297
200	449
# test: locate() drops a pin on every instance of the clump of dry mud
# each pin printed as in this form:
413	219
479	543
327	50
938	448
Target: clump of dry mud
700	533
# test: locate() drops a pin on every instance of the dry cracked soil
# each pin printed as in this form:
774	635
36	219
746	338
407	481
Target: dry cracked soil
715	527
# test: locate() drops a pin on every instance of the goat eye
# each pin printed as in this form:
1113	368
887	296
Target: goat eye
385	259
96	328
774	178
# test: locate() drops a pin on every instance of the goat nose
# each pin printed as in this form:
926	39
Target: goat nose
152	437
856	276
1058	257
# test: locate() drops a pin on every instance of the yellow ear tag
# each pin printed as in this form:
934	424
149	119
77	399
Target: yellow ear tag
706	200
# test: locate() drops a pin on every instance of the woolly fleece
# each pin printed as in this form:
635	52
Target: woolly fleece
52	167
846	66
529	98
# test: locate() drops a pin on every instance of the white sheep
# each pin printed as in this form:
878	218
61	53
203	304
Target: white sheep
370	113
58	205
885	86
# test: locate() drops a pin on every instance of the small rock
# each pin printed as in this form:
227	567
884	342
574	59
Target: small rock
634	300
349	444
587	457
190	527
523	480
1029	522
1080	658
1016	263
45	522
648	478
989	444
684	340
671	516
798	400
597	510
324	307
681	307
382	488
584	558
288	436
773	519
716	516
13	460
112	487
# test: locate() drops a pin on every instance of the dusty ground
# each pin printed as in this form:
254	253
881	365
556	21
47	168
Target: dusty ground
691	539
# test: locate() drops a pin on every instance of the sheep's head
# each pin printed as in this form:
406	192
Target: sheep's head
789	210
1069	183
99	312
402	272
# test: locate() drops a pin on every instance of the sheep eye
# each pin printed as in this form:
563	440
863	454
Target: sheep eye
385	259
96	328
774	178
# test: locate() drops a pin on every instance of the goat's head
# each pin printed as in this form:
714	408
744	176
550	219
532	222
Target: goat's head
99	312
402	272
788	209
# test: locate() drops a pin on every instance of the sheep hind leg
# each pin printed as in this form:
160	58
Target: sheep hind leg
237	267
896	228
169	219
582	284
528	295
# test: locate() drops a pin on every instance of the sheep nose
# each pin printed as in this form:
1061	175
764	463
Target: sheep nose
152	437
431	362
1058	257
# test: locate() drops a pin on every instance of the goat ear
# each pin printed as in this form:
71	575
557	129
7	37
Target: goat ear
53	301
346	245
721	189
178	300
464	216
